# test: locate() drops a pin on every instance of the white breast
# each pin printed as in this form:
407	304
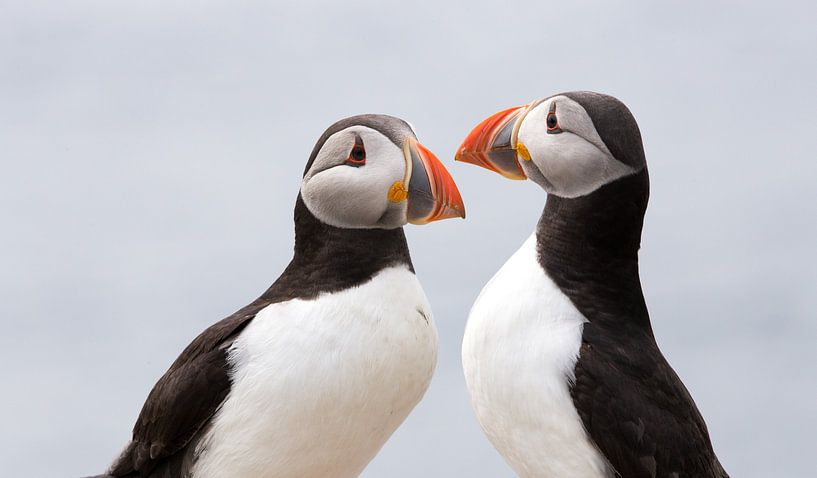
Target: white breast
519	352
320	385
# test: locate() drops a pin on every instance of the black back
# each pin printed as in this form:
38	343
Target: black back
326	259
632	404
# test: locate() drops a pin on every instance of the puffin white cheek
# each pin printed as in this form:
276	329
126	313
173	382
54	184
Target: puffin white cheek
343	197
569	164
576	167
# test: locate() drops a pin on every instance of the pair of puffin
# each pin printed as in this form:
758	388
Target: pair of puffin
311	378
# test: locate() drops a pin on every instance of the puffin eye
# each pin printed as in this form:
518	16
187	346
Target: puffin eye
357	157
552	121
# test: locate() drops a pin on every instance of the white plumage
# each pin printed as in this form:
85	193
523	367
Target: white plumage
320	385
519	352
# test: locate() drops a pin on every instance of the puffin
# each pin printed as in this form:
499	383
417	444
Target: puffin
561	363
312	377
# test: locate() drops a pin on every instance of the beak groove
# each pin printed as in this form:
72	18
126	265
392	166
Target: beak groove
432	192
492	144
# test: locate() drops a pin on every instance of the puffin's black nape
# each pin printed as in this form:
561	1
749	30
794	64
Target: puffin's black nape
615	124
391	127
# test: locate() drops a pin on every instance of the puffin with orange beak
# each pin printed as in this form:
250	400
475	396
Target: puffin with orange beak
563	370
312	378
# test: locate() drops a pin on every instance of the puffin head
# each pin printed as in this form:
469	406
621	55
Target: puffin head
370	172
570	144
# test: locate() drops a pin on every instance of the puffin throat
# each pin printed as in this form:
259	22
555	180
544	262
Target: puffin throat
329	259
589	247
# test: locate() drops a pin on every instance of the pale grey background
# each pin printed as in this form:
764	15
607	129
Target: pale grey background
151	154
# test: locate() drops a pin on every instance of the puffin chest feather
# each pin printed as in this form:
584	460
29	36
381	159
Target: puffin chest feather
520	349
319	385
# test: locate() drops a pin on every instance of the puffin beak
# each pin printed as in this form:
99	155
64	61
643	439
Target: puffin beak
432	194
493	145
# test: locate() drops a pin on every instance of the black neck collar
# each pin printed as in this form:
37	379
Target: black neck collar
329	259
589	247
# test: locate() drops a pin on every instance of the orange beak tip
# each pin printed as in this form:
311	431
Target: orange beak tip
436	195
489	144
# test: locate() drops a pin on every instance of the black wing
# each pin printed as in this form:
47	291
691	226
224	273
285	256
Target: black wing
636	409
182	403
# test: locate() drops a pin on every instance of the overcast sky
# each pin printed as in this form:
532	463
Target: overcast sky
152	151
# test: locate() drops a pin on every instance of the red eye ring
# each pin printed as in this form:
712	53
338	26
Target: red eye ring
357	157
552	122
